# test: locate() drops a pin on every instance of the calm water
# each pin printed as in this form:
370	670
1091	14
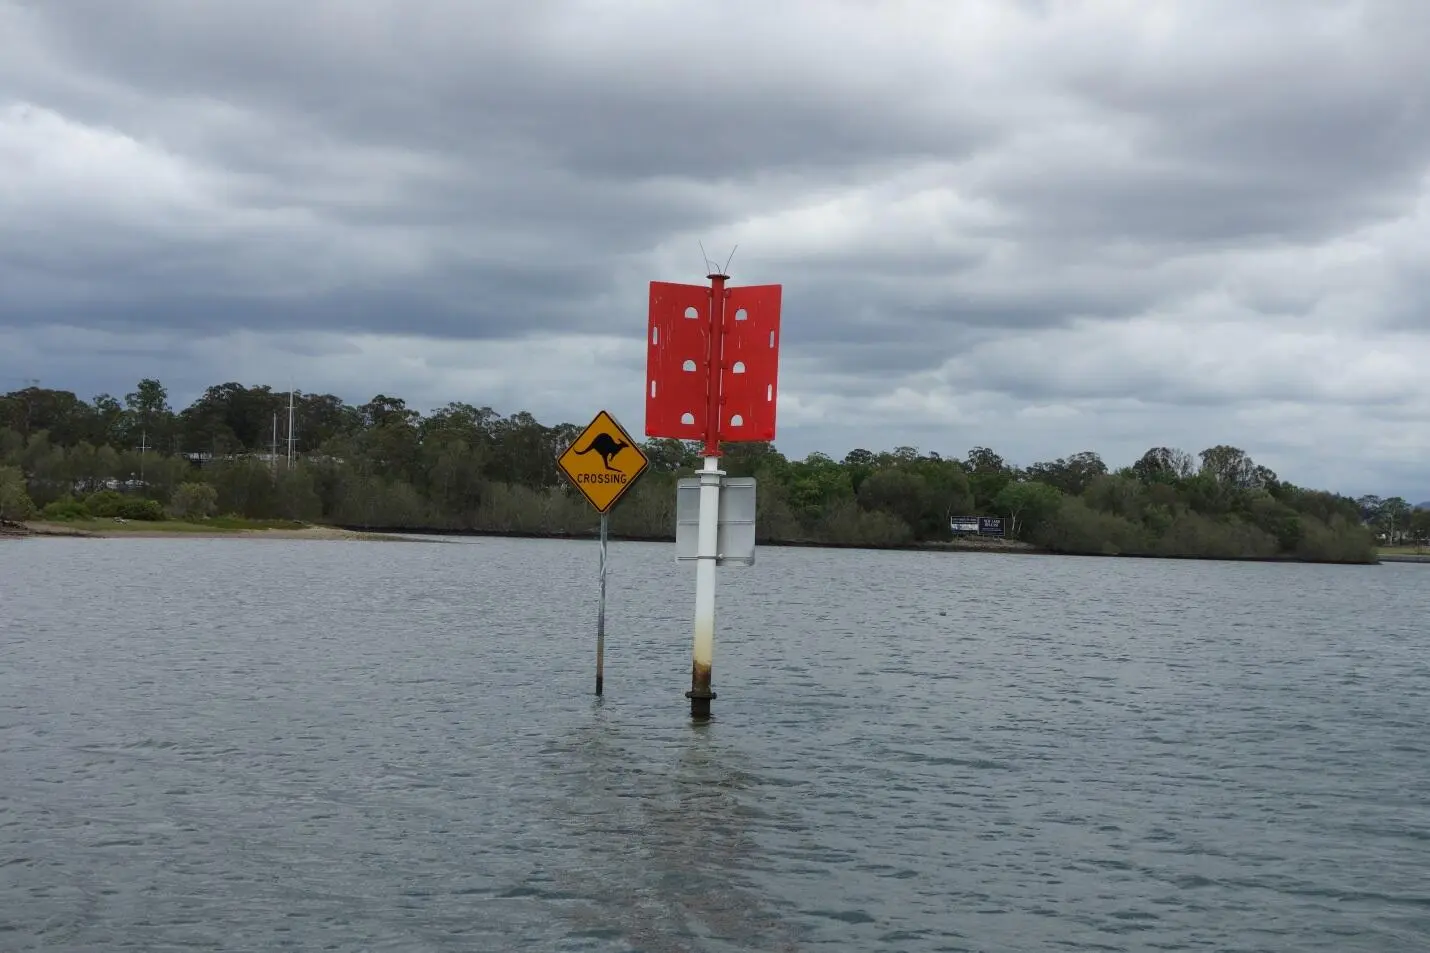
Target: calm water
247	745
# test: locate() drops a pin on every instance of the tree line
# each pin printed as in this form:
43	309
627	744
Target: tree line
462	467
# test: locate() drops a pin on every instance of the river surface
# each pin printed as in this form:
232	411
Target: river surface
354	746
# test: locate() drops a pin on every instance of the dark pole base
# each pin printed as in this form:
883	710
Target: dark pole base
700	704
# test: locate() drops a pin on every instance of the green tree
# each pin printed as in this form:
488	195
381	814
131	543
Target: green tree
295	492
815	485
1394	520
1029	506
1229	467
1118	493
466	467
1071	476
245	487
1164	465
902	493
1078	528
1420	525
194	501
15	503
108	425
988	474
149	419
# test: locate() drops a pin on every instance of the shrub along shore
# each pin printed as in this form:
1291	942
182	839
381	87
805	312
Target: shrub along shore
467	469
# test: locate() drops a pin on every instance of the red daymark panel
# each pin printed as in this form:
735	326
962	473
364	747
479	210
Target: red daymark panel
750	363
677	361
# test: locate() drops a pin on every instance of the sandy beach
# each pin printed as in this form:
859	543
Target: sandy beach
135	530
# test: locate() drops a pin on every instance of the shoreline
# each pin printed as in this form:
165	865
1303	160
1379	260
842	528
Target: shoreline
340	532
971	546
54	530
994	545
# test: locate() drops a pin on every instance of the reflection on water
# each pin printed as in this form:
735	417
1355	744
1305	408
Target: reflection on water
241	745
666	840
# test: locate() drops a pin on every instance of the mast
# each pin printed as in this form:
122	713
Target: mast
290	427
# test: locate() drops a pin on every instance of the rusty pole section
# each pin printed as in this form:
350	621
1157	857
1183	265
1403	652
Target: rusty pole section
601	615
707	532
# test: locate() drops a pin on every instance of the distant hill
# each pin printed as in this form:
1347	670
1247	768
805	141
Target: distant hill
1423	506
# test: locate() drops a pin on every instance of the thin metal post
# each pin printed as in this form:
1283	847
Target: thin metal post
601	615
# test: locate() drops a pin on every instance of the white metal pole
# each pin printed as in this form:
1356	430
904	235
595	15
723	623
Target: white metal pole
601	615
707	531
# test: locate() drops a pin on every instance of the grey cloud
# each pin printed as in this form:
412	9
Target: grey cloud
499	301
508	173
1211	380
1315	130
463	82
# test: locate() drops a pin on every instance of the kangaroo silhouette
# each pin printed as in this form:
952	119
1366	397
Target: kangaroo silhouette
607	446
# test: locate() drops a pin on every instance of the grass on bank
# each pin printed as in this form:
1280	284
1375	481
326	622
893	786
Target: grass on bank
192	511
1404	550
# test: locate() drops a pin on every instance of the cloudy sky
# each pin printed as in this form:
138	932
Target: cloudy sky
1034	225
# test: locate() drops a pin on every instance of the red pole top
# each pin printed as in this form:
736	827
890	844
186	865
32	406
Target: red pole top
716	365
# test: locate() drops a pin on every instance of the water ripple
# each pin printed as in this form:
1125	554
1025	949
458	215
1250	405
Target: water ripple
234	745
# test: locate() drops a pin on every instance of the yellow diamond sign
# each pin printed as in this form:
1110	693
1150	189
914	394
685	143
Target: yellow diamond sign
603	462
